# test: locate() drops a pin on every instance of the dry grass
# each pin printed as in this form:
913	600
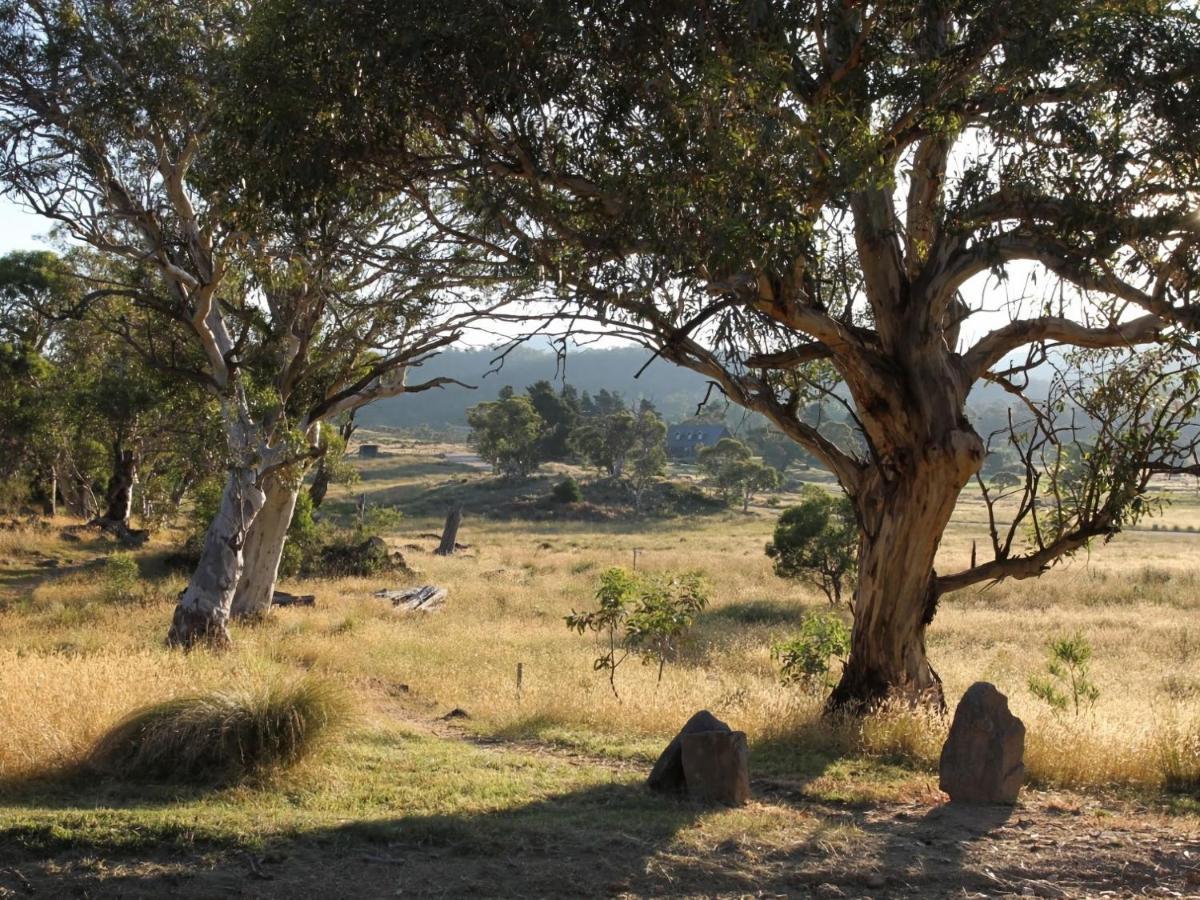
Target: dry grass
72	665
222	735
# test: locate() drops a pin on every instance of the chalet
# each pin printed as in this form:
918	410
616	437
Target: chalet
687	439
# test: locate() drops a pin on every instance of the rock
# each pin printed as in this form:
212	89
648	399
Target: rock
667	774
716	766
876	880
707	760
982	757
457	713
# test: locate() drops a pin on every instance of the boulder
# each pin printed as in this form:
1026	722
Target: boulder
667	774
707	760
982	759
716	766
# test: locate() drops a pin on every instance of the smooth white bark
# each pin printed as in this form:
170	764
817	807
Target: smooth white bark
264	549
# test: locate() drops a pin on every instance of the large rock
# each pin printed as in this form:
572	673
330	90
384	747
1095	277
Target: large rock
982	758
716	766
707	760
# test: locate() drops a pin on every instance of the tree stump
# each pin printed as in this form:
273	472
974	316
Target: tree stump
450	532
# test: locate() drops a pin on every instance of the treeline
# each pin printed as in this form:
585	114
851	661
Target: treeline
517	433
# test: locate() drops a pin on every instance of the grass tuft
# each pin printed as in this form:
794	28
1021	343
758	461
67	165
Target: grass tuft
222	735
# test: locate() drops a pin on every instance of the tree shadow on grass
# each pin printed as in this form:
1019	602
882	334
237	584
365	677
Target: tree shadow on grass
604	840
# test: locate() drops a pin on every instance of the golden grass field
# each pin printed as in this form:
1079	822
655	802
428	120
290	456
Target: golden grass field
73	663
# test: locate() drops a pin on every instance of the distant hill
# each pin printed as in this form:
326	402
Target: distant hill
675	391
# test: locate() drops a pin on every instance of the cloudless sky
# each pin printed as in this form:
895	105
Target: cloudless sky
19	230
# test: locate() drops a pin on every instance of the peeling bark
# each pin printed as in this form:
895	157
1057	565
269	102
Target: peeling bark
896	596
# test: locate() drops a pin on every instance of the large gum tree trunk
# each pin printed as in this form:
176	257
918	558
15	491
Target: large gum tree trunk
203	609
903	520
264	549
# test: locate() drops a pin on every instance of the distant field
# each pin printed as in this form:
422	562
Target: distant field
72	663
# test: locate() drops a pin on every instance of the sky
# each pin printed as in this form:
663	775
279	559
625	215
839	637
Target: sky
19	230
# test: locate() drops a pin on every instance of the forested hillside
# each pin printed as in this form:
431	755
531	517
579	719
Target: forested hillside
675	391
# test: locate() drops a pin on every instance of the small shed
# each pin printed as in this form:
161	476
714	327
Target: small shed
368	451
687	439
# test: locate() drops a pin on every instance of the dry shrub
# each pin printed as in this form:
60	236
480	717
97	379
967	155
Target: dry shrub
221	735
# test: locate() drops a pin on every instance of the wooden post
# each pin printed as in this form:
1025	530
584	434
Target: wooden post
450	532
520	678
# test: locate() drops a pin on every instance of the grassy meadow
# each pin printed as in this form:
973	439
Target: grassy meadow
552	765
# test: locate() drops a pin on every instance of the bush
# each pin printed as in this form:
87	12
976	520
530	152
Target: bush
642	614
805	658
817	541
567	491
221	736
120	578
303	538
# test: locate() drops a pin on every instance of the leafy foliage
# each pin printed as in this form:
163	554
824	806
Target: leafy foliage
817	541
730	467
641	614
507	433
567	491
1067	684
805	658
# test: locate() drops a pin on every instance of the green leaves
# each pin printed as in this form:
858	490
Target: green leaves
805	658
644	614
817	541
1068	685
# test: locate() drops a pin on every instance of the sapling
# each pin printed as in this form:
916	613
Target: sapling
643	614
1068	684
805	658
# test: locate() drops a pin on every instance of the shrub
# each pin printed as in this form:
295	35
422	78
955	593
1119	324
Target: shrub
303	538
643	614
221	736
1068	684
805	658
567	491
817	541
120	578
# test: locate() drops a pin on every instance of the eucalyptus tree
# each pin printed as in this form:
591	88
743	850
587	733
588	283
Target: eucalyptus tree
119	123
802	201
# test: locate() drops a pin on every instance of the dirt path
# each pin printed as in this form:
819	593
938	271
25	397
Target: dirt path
1053	844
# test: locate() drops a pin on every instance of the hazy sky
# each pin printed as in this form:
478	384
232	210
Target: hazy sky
19	229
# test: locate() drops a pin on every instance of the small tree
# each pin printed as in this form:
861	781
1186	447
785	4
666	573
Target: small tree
1068	683
506	433
642	614
804	659
605	441
730	467
817	541
647	457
